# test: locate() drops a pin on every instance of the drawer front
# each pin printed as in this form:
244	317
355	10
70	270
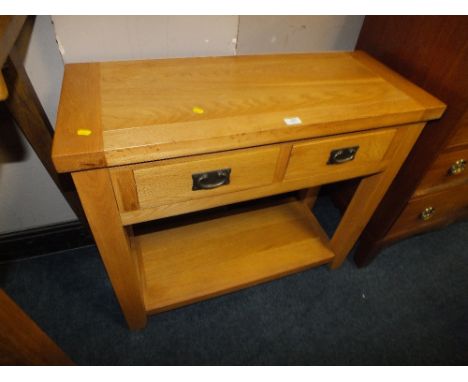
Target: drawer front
449	167
166	188
313	158
171	181
424	212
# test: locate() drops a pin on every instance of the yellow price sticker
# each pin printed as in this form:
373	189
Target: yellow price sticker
198	110
83	132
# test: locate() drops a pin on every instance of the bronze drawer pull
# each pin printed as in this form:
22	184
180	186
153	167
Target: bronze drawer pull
343	155
427	213
458	167
211	179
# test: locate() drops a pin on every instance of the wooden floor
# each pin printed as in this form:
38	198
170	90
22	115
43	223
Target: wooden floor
211	259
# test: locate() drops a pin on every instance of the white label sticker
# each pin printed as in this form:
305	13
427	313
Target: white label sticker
292	121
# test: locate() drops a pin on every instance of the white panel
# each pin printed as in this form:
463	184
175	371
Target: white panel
105	38
202	36
44	65
271	34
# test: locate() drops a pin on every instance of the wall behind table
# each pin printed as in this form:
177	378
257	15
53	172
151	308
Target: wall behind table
270	34
28	198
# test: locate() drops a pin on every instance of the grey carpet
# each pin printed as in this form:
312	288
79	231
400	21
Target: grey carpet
410	306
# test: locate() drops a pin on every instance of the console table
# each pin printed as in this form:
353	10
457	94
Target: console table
156	139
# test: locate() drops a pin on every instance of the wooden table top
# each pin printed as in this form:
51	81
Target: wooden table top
115	113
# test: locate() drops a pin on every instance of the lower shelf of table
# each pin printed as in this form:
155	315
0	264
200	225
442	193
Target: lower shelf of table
193	262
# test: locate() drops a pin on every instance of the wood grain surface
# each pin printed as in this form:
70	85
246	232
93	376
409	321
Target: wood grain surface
310	158
113	242
164	188
168	182
432	52
449	204
140	111
10	28
78	142
369	193
273	120
229	253
439	176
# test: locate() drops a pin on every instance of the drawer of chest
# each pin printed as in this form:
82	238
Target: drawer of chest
424	212
340	157
192	178
449	167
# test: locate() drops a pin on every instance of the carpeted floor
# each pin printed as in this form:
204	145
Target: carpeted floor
410	306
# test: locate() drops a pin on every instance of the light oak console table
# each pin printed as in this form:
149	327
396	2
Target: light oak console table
147	140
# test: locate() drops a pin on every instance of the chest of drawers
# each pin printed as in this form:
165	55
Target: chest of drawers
430	190
151	141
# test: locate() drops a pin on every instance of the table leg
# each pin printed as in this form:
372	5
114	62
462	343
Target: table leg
308	196
97	197
369	193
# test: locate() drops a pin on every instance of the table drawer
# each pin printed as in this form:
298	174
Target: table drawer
315	158
450	166
426	211
172	181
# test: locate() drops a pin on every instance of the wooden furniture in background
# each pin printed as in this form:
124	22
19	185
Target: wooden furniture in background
3	88
154	139
22	103
10	28
22	342
431	188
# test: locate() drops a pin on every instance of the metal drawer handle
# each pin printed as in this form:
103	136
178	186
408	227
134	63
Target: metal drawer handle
343	155
458	167
427	213
211	179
